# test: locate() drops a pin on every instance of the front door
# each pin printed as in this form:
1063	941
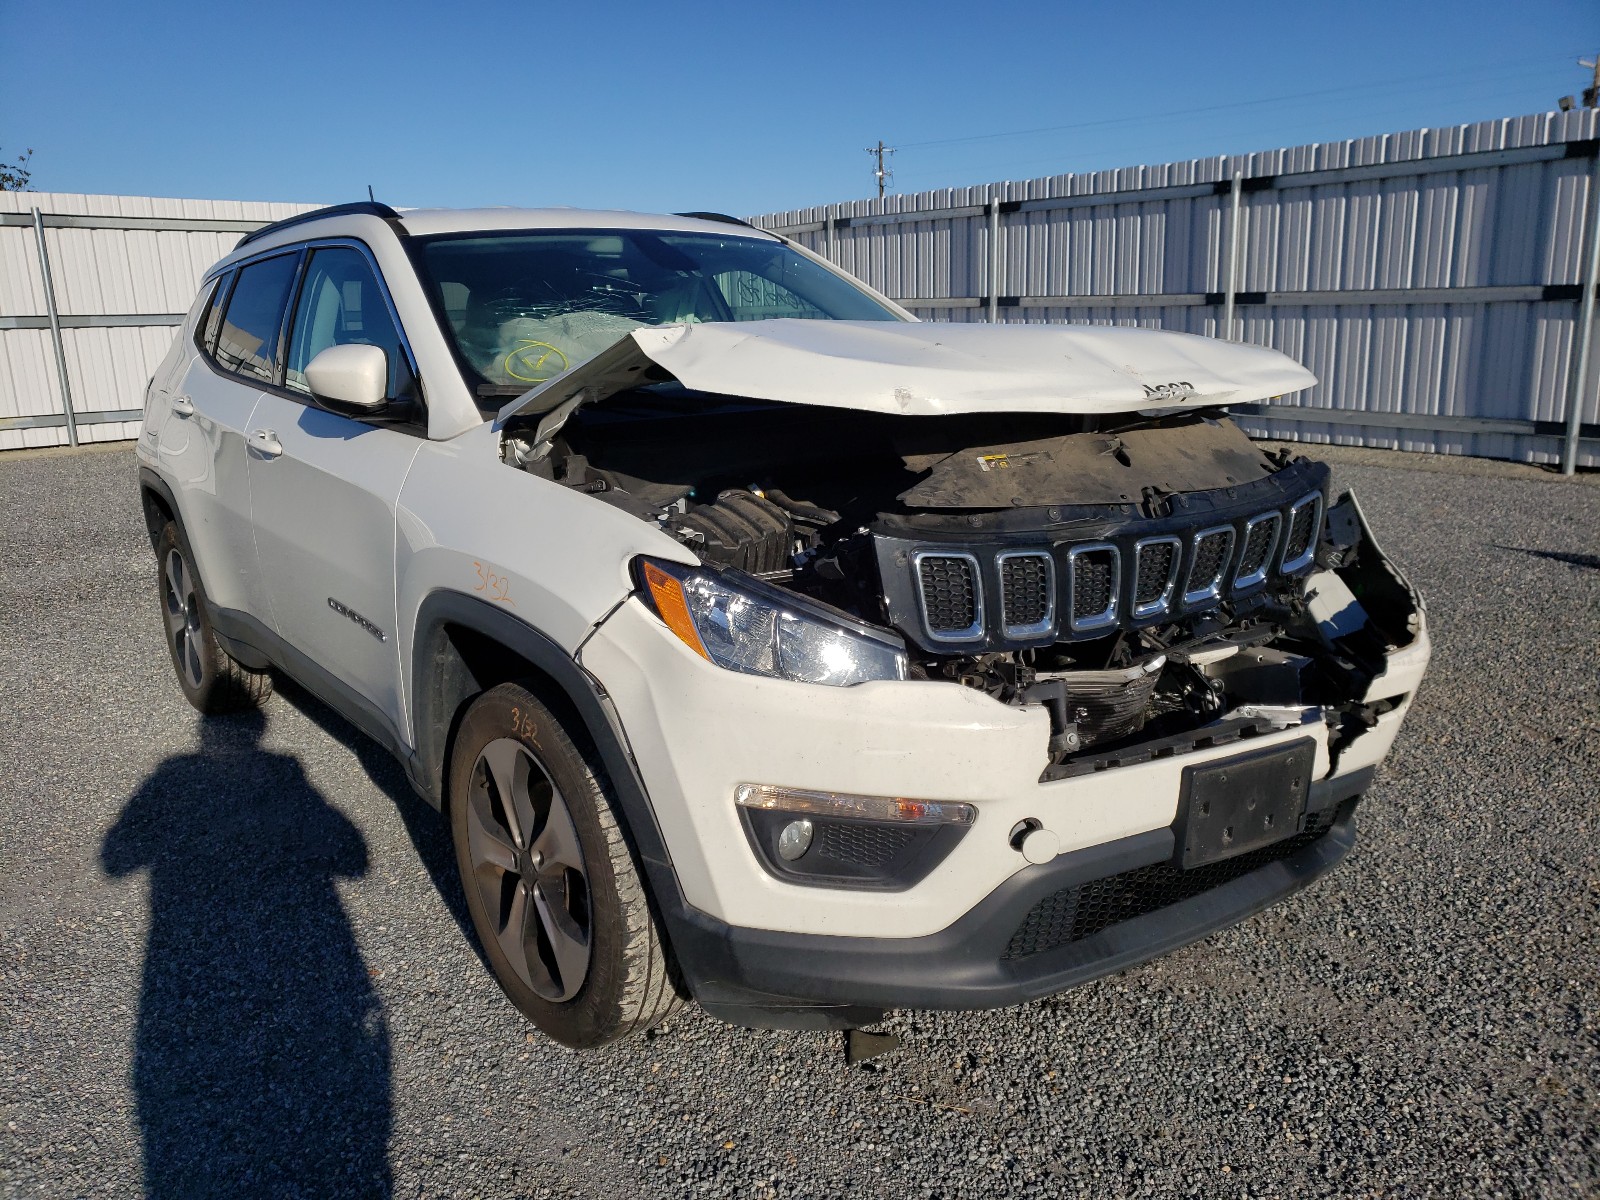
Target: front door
323	492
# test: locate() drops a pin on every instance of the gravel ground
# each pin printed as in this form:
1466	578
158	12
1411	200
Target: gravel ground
183	911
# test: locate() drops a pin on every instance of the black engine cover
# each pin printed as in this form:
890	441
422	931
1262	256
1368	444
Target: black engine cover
740	530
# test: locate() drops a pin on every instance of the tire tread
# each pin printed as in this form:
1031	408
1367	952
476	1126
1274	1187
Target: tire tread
232	686
631	987
647	995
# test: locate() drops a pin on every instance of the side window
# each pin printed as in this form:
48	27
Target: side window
754	297
205	329
248	340
341	303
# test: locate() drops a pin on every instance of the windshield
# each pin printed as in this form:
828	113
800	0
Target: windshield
523	307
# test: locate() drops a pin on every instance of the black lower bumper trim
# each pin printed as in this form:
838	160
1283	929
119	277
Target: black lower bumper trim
784	980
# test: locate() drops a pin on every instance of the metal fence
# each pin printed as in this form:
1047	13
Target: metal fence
1440	283
90	288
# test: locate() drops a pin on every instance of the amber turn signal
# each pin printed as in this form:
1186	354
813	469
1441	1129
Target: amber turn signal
666	593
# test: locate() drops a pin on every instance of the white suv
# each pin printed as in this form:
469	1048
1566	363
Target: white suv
761	644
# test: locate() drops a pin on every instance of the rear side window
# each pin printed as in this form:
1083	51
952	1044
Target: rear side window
342	304
248	341
205	329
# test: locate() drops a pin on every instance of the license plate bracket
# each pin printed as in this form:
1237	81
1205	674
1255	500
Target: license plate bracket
1242	803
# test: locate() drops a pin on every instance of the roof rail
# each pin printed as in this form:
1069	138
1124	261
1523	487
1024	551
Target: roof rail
366	208
724	218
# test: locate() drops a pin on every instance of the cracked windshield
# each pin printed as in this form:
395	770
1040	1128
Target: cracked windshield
522	308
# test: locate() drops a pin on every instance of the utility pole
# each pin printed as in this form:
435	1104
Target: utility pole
1591	94
883	174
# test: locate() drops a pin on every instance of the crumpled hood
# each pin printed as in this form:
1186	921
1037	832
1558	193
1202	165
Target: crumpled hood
932	369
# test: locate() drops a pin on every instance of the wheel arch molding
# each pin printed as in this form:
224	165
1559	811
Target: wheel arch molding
463	646
159	503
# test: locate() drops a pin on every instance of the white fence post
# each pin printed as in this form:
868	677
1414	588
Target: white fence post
1232	278
1577	384
994	260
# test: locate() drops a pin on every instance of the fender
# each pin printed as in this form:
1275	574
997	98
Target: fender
437	679
702	947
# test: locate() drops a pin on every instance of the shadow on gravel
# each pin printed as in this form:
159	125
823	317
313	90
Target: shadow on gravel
424	826
261	1062
1592	561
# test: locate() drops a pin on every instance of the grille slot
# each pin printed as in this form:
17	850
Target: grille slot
1027	593
1155	574
952	600
1095	582
1208	564
861	845
1305	523
1260	536
1075	913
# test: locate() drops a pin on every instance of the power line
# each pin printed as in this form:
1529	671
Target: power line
1130	152
1408	84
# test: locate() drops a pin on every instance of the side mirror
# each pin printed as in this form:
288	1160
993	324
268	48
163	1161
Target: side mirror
355	378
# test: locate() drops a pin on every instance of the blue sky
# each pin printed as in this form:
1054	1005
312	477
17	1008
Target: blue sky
744	108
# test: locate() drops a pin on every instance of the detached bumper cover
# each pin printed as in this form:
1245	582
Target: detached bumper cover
1000	953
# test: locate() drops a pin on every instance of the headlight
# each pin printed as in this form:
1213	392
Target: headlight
745	625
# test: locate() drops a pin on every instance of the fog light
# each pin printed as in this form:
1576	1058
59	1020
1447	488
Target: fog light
795	840
841	840
844	804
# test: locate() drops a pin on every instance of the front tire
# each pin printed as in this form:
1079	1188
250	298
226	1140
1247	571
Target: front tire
212	679
559	908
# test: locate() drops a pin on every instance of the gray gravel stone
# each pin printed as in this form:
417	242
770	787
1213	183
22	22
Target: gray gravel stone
279	992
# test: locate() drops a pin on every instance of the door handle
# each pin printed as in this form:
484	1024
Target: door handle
183	406
265	443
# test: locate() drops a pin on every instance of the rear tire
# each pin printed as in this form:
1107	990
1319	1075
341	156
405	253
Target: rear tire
559	908
212	679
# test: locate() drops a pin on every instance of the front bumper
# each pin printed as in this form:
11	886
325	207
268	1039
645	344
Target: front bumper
696	732
1003	952
983	928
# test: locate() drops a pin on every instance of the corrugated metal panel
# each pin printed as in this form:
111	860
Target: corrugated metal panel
1394	211
101	272
21	289
131	270
109	367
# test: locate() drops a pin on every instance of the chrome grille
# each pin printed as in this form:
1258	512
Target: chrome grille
1260	536
1155	574
1093	574
1027	592
1305	523
1208	564
952	604
961	598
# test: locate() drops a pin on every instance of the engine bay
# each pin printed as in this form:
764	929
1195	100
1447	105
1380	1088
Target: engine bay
1153	581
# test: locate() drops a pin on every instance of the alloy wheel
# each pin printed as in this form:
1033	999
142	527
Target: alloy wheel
182	606
527	867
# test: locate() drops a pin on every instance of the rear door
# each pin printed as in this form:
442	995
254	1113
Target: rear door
201	444
323	490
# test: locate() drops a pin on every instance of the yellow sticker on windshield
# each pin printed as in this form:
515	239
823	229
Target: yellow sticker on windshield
534	362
